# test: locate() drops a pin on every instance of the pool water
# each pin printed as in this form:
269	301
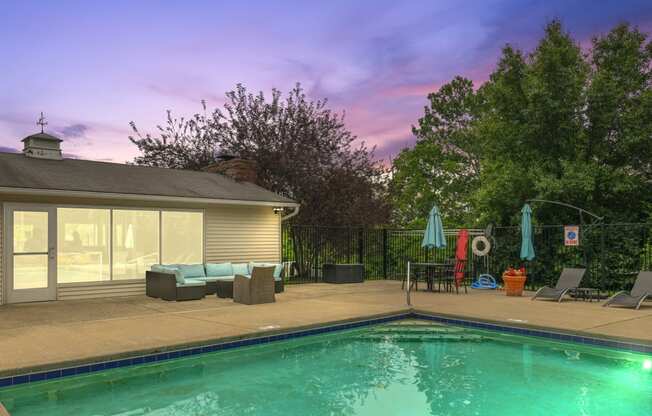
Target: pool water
401	368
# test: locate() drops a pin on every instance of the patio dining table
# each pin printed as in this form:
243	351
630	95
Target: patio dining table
433	272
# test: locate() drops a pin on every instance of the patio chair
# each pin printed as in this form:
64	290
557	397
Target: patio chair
454	276
415	276
259	288
569	279
642	290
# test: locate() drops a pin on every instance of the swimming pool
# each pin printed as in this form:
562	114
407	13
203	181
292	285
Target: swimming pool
402	368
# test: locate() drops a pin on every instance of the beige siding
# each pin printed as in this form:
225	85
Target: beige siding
90	290
232	233
242	234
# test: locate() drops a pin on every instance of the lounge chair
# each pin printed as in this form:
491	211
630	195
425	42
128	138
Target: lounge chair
259	288
568	280
642	290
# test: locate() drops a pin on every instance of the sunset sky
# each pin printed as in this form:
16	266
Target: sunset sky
93	67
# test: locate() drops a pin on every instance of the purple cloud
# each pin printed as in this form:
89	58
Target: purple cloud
73	131
5	149
376	60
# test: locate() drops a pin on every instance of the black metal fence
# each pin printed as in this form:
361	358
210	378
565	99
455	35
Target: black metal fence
611	253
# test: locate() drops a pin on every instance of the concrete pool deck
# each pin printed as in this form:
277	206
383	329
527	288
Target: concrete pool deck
39	336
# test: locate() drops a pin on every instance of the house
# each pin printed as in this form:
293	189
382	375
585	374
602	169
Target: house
74	229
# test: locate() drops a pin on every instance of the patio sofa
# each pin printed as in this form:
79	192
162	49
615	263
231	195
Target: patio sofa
194	281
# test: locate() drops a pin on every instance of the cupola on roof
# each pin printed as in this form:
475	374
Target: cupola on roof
42	145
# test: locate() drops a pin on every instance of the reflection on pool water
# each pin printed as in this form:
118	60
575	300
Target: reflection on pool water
402	368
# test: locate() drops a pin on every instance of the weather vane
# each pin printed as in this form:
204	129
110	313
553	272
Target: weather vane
41	122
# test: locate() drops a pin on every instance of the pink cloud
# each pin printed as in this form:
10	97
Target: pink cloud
414	90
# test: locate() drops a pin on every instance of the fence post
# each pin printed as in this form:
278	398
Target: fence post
315	255
360	246
385	253
603	267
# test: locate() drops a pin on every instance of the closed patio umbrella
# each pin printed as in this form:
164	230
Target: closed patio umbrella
434	235
461	247
527	248
461	254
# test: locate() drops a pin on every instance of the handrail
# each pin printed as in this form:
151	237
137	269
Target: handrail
408	284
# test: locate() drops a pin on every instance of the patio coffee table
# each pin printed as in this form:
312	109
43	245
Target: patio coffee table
224	288
586	293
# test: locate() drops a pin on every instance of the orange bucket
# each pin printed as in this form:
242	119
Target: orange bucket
514	284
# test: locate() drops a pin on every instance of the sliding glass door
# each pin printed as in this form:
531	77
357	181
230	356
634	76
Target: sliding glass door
103	244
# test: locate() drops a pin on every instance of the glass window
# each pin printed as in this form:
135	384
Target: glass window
82	245
135	243
30	236
103	244
182	237
31	271
30	232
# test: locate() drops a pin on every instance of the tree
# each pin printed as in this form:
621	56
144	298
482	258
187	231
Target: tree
444	165
302	150
557	123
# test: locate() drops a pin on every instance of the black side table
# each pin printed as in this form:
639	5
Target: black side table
224	289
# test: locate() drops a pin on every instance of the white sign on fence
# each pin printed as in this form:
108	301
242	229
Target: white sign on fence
571	235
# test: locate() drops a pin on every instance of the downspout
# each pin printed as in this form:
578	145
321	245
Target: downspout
291	214
284	218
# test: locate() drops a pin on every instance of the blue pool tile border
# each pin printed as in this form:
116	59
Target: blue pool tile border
186	352
227	345
547	334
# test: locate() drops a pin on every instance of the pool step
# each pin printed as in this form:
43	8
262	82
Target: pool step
409	337
417	332
417	329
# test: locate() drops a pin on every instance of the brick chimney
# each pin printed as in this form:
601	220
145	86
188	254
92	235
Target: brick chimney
242	170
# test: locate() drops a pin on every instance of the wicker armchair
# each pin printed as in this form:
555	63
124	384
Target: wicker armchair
257	289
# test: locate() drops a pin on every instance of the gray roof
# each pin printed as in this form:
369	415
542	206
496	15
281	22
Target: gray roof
19	171
42	136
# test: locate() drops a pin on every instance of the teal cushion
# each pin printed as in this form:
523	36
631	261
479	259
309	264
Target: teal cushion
207	278
251	265
214	278
178	276
225	278
240	268
192	270
219	269
191	282
278	268
163	268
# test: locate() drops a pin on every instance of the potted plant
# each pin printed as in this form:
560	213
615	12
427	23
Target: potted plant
514	280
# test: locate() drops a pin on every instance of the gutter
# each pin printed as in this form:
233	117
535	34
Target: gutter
137	197
291	214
